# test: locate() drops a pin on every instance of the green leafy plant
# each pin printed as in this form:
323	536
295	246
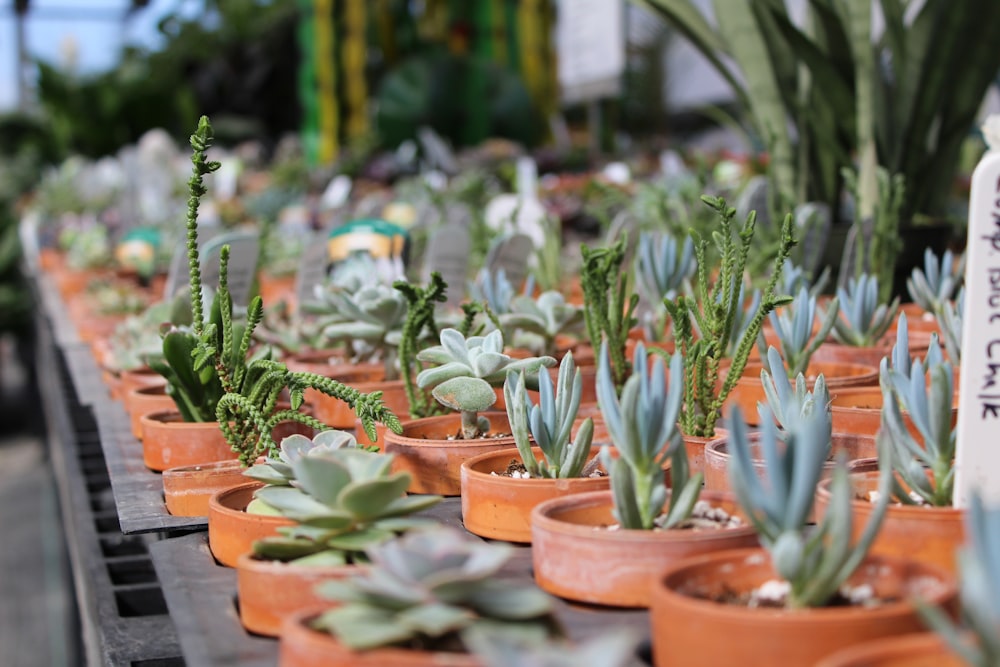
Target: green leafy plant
612	650
343	500
978	644
466	371
608	309
541	319
371	316
864	317
793	325
278	469
642	424
426	589
662	267
420	319
714	311
814	563
550	422
938	282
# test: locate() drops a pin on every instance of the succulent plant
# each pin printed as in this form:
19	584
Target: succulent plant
705	324
643	427
550	422
743	316
794	278
277	468
662	267
467	370
543	318
863	319
936	284
493	289
343	500
88	249
785	403
814	563
372	315
426	589
607	308
611	650
793	325
979	591
925	390
949	320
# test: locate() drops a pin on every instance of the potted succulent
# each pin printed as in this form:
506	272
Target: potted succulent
539	324
499	489
976	642
342	499
414	605
608	309
463	378
809	592
704	324
662	269
932	288
580	541
921	522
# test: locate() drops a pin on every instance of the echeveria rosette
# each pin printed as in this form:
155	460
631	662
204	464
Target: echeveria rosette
278	469
545	317
467	371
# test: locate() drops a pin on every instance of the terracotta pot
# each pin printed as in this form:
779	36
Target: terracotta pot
272	591
114	383
144	401
394	397
574	558
139	377
749	390
870	356
859	410
276	288
170	442
499	507
925	534
696	445
231	531
717	457
917	319
918	650
331	411
188	489
433	461
690	628
301	646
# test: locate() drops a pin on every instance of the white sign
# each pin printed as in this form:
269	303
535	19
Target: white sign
590	41
244	250
312	269
977	457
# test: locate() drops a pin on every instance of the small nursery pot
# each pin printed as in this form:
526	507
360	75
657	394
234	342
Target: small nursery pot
691	628
918	650
870	356
187	490
231	530
144	401
434	461
499	507
575	558
301	646
926	534
696	445
272	591
139	377
859	410
170	442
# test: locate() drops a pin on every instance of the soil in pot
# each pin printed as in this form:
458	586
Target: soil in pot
575	556
232	530
498	506
691	628
187	490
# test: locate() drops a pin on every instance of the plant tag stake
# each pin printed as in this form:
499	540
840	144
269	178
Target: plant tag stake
511	253
448	253
313	269
521	212
244	249
177	275
977	458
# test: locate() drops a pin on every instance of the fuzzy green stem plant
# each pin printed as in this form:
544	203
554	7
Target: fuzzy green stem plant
609	311
714	311
420	317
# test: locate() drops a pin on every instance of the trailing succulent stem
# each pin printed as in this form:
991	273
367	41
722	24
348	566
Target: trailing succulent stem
201	141
714	313
608	309
643	427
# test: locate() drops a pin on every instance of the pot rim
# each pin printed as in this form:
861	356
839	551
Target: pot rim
926	643
921	512
249	563
222	503
469	469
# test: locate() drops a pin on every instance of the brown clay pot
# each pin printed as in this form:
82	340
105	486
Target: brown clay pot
139	377
696	445
574	558
276	288
394	397
925	649
749	390
859	410
433	461
113	381
717	457
499	507
301	646
926	534
144	401
231	531
271	591
690	628
170	442
870	356
188	489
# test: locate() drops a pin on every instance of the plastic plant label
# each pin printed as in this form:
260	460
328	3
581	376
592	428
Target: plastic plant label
244	250
336	193
511	253
177	273
312	269
448	253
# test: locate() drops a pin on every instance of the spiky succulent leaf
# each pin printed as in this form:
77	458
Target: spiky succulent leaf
864	319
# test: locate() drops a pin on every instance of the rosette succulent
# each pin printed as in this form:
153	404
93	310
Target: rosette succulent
537	322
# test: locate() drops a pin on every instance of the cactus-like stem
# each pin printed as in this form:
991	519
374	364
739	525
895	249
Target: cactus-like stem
201	141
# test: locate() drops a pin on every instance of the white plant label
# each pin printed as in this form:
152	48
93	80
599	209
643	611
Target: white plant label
244	249
177	273
977	457
312	269
448	254
336	193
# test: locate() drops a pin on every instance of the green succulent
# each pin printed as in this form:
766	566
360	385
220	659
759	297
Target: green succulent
372	315
88	249
550	422
662	267
978	644
543	319
277	469
785	403
949	320
343	500
643	427
937	283
815	563
493	289
467	370
611	650
426	589
793	324
863	319
607	307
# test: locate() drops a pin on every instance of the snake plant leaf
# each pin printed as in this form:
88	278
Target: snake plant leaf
465	393
367	499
